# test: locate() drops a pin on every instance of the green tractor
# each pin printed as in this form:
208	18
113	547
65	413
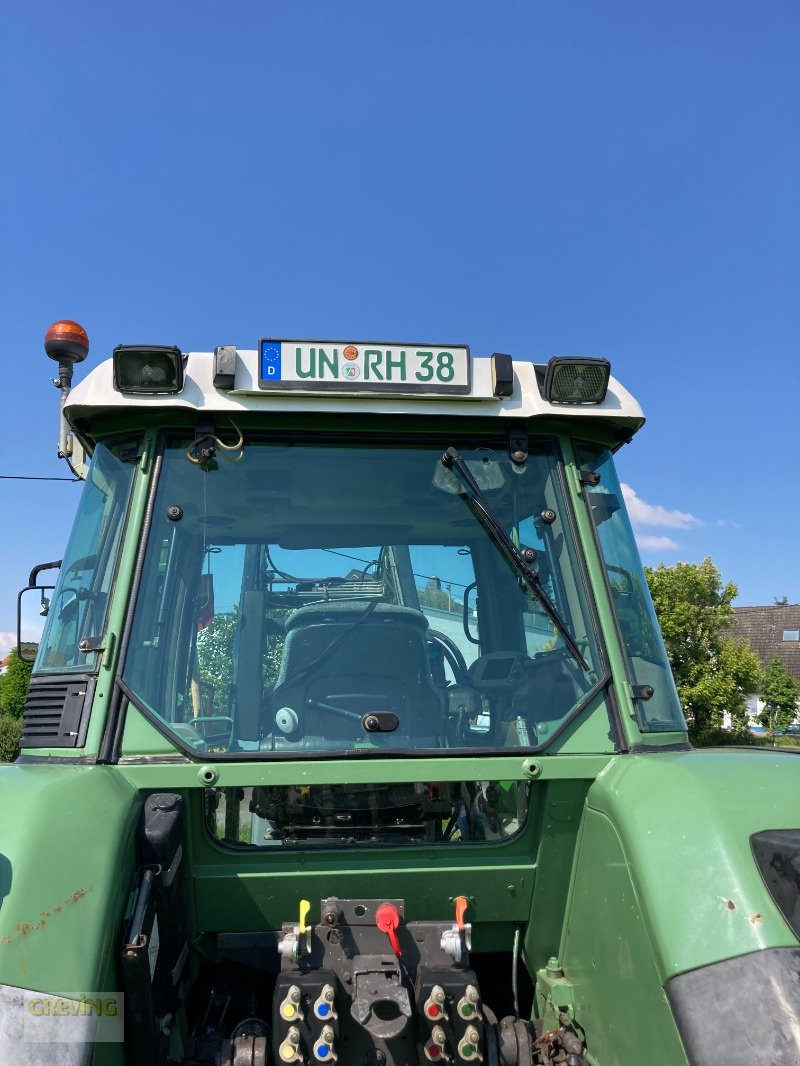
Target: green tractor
351	736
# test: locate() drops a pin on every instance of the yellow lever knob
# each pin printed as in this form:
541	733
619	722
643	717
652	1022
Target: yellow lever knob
305	907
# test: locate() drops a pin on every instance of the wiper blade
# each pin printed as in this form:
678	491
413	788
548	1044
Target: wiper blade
520	558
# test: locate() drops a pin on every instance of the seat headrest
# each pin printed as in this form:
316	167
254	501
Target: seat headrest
342	612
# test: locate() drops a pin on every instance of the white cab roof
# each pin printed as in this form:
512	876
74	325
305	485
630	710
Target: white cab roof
96	393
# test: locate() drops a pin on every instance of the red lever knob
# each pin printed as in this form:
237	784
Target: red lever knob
461	909
387	919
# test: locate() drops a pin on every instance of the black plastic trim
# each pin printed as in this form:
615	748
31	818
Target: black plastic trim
57	711
655	749
740	1010
777	855
56	760
615	717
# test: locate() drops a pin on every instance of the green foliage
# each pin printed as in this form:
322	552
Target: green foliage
779	693
273	655
215	656
785	742
712	674
14	685
10	729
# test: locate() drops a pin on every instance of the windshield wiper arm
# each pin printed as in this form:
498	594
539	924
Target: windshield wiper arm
520	558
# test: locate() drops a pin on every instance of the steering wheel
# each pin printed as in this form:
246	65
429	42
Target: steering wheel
452	652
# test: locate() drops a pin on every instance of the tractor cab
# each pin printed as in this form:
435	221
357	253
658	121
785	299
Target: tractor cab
351	734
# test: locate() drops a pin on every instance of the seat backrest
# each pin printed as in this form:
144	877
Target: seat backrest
345	659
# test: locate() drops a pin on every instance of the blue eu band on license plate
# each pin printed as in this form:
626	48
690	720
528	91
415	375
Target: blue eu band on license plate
358	367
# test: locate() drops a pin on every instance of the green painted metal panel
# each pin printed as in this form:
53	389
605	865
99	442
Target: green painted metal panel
230	898
589	732
609	960
242	889
65	869
559	818
684	820
183	773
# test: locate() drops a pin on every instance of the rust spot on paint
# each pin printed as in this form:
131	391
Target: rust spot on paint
23	928
755	918
730	905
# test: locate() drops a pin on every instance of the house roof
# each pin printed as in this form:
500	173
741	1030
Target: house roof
763	629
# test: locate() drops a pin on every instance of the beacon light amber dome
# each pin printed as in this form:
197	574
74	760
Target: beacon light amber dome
67	339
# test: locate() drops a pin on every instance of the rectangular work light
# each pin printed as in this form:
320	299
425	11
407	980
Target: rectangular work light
148	368
576	379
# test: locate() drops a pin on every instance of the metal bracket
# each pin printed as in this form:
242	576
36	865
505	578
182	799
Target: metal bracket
642	692
225	367
380	722
130	457
589	477
518	441
382	1004
204	430
87	644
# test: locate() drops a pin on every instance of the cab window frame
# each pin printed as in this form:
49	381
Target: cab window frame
495	436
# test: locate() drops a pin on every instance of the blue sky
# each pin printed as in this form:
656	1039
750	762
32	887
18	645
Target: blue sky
610	178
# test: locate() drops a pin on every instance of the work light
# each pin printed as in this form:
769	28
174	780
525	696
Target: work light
152	368
576	379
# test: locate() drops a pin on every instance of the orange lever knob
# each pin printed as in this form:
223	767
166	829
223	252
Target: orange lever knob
387	919
461	903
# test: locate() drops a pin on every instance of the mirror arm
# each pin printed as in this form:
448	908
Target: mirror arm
38	569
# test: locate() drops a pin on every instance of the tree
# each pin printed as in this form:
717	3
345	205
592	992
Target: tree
215	654
10	730
215	657
779	692
441	599
713	675
14	685
13	694
781	601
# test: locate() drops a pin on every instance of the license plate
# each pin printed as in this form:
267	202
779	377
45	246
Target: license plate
360	367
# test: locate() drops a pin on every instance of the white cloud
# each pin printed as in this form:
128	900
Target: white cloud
655	544
7	642
654	515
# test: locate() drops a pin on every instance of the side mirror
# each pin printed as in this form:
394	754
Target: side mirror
33	606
